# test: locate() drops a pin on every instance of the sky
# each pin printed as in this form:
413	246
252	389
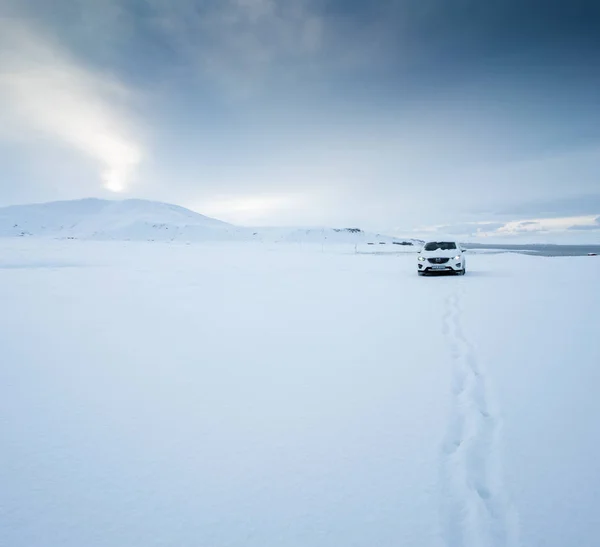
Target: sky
469	117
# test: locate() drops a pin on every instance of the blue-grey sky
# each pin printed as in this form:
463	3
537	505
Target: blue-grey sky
446	115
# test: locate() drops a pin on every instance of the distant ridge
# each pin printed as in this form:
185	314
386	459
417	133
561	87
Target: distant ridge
143	220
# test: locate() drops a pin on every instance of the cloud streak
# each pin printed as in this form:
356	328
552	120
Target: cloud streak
47	92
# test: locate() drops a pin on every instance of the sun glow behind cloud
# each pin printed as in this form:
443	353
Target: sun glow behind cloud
48	93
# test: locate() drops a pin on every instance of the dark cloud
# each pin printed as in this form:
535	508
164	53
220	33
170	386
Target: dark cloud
400	43
528	223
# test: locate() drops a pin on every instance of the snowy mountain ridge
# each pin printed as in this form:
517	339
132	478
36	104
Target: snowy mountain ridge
137	219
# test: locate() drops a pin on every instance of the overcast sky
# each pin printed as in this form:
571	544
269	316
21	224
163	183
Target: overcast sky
461	116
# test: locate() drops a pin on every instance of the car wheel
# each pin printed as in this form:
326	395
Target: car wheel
421	273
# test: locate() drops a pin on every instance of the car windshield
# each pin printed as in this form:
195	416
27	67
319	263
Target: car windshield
442	245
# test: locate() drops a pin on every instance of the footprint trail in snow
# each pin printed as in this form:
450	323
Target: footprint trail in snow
476	510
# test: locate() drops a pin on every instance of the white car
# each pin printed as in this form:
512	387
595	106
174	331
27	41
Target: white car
441	256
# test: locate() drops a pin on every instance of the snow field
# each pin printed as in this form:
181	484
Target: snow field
242	394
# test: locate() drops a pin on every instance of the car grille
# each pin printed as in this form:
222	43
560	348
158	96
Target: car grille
438	260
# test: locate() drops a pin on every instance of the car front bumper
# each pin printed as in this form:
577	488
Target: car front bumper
449	267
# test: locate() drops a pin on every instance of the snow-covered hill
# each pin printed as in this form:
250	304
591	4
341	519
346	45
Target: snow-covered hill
106	219
136	219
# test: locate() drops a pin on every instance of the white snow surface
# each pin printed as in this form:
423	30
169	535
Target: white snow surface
245	394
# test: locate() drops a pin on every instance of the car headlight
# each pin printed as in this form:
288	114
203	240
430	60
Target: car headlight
421	259
457	257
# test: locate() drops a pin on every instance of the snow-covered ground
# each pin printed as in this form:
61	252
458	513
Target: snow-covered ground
231	394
